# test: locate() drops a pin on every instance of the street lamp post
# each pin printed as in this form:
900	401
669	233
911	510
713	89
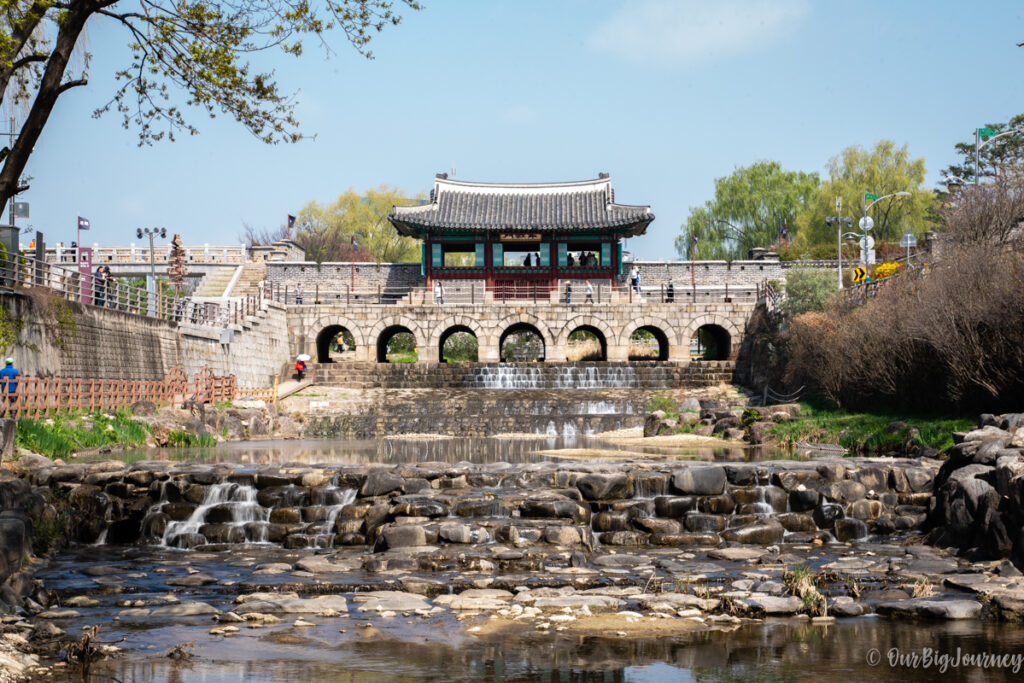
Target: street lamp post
979	133
839	222
867	207
152	233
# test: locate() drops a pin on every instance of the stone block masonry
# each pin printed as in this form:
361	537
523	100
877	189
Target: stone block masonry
51	337
706	273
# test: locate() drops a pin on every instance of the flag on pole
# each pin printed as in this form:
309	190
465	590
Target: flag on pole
693	244
83	223
354	245
291	221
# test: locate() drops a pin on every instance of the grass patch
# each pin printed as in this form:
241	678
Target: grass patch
64	434
866	433
402	357
180	439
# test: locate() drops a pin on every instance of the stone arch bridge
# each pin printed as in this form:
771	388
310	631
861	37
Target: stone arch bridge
312	327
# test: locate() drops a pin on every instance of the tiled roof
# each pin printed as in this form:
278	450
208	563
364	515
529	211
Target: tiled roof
581	205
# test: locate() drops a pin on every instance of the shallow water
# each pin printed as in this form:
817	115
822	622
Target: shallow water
517	449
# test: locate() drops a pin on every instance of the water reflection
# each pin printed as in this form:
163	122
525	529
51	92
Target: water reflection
781	651
450	450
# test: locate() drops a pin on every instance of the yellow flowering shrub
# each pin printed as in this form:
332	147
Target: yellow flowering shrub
887	269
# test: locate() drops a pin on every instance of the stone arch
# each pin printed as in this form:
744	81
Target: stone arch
384	328
649	321
726	334
518	318
593	323
453	330
440	328
321	338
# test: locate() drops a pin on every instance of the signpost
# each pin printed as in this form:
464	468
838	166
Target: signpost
85	271
859	274
908	240
866	223
986	132
870	197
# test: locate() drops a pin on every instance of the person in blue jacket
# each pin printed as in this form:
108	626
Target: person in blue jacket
9	380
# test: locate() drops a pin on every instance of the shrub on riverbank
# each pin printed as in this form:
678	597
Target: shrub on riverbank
867	433
65	434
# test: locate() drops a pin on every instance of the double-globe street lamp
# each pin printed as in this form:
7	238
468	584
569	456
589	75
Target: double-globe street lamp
839	221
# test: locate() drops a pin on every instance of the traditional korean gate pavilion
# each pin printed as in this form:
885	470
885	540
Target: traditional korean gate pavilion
484	232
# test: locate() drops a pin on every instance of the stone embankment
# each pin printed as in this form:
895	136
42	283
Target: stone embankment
978	505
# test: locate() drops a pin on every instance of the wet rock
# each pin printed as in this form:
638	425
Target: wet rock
865	509
685	539
845	606
740	475
272	604
454	532
931	609
420	507
593	602
698	522
605	486
760	533
223	533
380	482
772	605
826	515
657	525
553	506
402	536
717	505
674	506
624	538
283	496
562	535
191	580
185	609
803	500
873	479
737	554
701	481
794	521
611	521
850	529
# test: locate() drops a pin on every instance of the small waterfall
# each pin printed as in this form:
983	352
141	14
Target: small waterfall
334	499
509	377
506	376
108	517
760	506
235	506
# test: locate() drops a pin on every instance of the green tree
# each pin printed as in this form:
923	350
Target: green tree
200	48
748	210
808	289
882	170
325	231
999	157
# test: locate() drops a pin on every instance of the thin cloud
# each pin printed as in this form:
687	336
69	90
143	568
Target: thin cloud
519	114
678	32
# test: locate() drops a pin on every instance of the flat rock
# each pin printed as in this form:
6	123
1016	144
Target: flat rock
577	601
58	614
770	604
186	609
394	601
81	601
322	565
191	580
737	554
459	603
931	609
294	605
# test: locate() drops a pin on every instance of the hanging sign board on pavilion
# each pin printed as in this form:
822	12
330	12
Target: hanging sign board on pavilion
520	237
858	274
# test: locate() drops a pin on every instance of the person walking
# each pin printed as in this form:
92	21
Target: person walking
298	294
670	291
568	292
634	278
589	298
9	379
300	369
638	292
438	293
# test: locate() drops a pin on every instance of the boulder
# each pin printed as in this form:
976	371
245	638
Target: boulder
700	481
760	533
605	486
380	482
850	529
402	536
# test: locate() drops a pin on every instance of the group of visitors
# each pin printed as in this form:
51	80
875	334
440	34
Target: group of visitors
588	292
102	283
532	261
587	260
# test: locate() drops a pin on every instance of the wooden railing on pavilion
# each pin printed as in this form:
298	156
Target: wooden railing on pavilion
41	397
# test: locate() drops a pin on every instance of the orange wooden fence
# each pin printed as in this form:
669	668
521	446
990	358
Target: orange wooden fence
42	396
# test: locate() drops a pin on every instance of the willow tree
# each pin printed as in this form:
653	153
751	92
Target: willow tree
191	50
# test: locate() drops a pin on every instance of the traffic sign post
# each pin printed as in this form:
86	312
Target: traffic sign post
866	223
908	240
859	274
870	197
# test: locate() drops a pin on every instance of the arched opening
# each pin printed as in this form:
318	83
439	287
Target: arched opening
458	345
396	344
710	342
586	343
648	343
335	343
521	343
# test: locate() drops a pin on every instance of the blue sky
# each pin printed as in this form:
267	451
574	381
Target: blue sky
666	95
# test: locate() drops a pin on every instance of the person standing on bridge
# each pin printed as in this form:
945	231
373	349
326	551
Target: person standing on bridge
568	292
438	293
300	369
9	378
298	294
589	298
670	291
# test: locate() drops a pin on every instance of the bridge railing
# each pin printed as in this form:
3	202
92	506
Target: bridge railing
507	292
26	273
109	255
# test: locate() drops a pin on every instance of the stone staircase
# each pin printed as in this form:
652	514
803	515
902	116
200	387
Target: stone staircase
215	283
547	376
248	282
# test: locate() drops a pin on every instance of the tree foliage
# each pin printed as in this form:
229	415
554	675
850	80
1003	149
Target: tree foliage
881	170
325	231
997	158
808	290
748	210
200	48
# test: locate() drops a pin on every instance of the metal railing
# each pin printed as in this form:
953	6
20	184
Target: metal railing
26	273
